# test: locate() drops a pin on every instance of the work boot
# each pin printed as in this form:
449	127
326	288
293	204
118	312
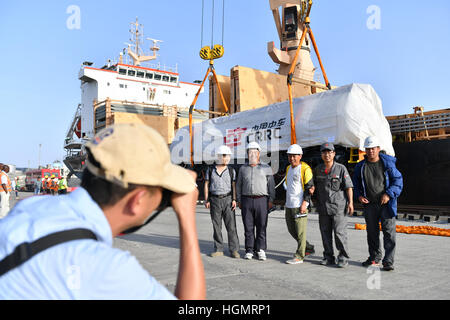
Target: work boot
372	263
217	254
235	255
388	267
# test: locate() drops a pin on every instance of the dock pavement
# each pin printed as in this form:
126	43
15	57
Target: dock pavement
422	262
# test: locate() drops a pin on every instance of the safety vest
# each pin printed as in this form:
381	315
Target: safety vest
44	183
8	184
62	184
305	173
55	184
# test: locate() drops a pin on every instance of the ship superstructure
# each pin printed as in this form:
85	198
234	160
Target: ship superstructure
129	90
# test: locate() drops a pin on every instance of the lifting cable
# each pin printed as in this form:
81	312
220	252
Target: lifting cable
215	51
303	19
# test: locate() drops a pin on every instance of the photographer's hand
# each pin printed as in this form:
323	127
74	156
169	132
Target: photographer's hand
191	283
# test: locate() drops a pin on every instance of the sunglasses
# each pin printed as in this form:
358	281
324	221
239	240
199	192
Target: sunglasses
164	204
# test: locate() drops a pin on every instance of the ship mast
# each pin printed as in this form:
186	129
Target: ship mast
136	38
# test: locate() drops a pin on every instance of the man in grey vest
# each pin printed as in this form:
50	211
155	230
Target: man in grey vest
220	196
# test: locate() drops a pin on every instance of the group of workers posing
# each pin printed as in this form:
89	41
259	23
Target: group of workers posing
376	183
129	179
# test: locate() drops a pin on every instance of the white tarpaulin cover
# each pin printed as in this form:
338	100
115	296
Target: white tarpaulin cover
344	116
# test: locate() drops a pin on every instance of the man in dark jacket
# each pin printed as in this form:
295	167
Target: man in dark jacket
378	184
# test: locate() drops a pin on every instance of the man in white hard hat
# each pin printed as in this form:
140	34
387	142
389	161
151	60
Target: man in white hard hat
220	198
255	191
61	247
299	187
378	184
334	193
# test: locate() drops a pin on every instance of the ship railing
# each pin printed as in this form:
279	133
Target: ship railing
156	66
420	123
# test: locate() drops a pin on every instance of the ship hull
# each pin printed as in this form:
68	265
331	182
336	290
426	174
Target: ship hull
425	166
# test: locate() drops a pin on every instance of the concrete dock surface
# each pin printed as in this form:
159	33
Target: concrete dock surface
422	262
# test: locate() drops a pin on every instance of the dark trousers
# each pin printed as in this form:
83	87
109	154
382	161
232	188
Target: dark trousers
221	209
254	216
337	224
374	214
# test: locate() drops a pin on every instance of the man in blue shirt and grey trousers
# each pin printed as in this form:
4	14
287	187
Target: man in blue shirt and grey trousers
255	192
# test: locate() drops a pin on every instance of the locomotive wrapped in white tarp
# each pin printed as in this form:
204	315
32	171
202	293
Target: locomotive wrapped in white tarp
344	116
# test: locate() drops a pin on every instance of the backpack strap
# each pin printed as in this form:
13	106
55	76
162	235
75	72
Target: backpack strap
25	251
231	173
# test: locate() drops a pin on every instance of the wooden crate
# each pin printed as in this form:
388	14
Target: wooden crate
164	125
215	101
248	88
252	88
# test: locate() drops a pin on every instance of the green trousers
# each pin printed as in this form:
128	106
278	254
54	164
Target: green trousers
297	229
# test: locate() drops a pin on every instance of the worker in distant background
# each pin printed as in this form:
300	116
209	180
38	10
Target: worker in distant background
17	187
46	184
54	185
378	184
5	190
62	185
334	194
37	186
299	188
13	188
128	180
255	193
220	198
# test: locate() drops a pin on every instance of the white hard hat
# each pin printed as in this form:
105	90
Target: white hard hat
253	145
295	149
371	142
223	150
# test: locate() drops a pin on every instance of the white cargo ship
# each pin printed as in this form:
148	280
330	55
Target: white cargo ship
128	90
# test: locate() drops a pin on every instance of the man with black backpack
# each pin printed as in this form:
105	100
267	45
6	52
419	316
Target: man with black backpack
220	198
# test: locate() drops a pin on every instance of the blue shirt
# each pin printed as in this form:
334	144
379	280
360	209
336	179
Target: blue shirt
78	269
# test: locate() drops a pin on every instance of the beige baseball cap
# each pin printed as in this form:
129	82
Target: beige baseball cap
137	154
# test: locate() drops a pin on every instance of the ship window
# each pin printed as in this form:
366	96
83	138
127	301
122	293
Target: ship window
131	73
157	76
149	75
123	71
173	79
140	74
120	85
165	78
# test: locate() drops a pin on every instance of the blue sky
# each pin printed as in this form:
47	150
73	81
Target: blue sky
406	60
